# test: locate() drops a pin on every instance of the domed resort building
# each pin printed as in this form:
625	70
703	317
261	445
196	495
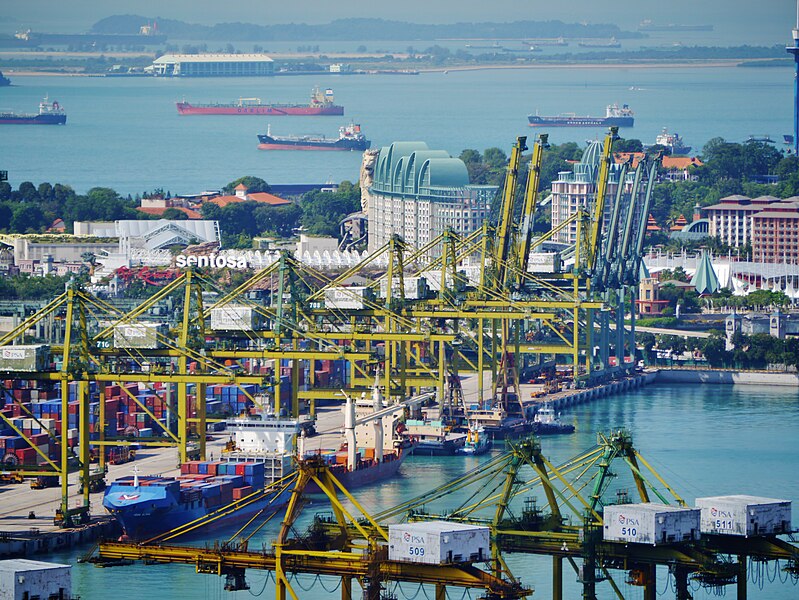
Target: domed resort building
418	193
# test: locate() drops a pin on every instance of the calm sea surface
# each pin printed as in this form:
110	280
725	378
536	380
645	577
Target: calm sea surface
704	440
125	133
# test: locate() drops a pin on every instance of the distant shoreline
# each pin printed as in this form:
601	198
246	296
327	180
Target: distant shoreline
698	64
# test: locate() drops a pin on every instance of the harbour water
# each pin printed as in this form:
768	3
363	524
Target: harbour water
703	440
125	133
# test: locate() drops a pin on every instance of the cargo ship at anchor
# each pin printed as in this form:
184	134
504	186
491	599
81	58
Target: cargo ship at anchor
615	115
50	113
350	138
321	103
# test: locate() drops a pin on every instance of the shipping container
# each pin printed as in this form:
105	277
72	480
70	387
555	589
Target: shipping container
22	578
544	262
650	523
348	298
32	358
235	317
145	336
433	280
744	515
415	288
438	542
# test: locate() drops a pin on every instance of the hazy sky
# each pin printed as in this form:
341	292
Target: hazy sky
750	21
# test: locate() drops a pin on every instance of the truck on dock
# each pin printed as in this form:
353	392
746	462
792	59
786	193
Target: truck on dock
44	481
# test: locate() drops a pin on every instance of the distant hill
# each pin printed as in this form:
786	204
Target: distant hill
362	29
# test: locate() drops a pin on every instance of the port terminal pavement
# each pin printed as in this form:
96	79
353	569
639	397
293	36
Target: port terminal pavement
26	515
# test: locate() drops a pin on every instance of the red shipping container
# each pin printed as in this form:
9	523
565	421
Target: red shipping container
40	438
240	469
26	456
241	492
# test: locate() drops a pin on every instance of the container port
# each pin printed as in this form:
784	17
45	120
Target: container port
458	346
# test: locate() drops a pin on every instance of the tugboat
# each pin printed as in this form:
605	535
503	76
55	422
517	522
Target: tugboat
350	137
477	442
50	113
546	422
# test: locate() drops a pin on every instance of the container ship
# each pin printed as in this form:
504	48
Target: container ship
350	137
261	452
321	103
614	116
146	506
50	113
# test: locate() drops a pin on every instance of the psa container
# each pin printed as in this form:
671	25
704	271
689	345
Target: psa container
348	298
415	288
437	543
32	358
22	578
650	523
744	515
234	317
145	336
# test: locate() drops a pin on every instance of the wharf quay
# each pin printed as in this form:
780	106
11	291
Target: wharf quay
22	537
726	376
568	398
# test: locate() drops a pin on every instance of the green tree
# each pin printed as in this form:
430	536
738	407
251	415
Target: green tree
715	351
254	184
631	145
173	214
27	218
495	158
27	192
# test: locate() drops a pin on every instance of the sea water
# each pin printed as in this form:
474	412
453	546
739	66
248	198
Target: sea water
703	440
126	134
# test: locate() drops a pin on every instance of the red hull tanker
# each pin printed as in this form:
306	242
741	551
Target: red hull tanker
321	103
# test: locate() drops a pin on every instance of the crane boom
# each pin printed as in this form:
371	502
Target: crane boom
530	199
505	224
601	190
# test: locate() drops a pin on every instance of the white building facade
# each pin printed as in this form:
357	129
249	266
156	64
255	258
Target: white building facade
418	193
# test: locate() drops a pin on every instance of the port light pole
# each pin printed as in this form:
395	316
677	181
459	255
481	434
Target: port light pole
794	51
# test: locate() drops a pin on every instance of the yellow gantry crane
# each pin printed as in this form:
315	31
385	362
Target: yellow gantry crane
484	323
499	494
356	551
